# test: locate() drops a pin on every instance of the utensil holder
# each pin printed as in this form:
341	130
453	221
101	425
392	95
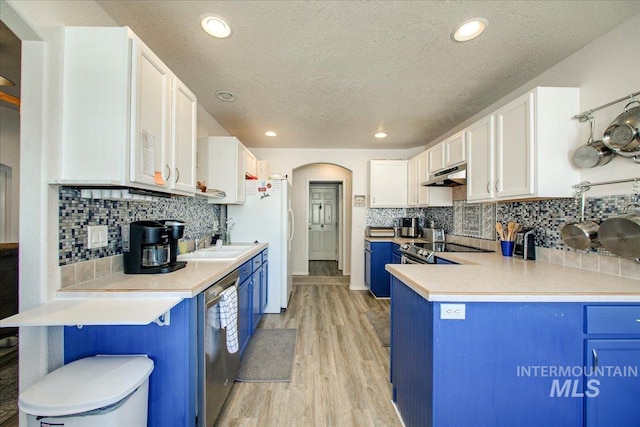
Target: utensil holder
507	247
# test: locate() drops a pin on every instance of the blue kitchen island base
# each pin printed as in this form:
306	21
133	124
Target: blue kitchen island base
172	384
514	363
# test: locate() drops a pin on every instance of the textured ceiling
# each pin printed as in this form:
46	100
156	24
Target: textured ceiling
331	73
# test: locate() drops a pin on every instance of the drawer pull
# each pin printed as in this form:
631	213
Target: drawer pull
595	358
638	320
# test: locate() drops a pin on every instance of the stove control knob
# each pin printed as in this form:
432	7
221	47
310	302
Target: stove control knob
405	246
421	252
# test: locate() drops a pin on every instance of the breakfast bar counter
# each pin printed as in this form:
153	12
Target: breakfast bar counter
493	277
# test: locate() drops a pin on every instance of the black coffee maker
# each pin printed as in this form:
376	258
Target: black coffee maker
152	247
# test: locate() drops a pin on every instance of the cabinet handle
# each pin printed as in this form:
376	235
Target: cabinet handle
488	185
496	186
177	175
595	358
638	320
168	172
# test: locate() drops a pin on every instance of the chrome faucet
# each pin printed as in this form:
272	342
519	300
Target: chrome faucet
199	241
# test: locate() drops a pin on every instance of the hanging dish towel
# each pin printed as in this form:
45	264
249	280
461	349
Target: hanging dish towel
229	317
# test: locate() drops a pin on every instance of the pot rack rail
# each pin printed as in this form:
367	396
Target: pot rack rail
584	116
585	186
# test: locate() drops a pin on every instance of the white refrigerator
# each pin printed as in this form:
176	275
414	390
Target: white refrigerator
266	216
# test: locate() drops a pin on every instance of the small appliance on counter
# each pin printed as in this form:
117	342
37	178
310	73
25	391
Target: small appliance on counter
151	247
380	231
409	227
432	234
525	245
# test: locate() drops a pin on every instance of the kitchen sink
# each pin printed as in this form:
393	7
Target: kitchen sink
216	253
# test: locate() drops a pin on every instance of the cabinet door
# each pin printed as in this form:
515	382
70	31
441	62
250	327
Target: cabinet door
479	138
244	314
423	175
613	400
150	153
379	277
184	118
454	150
264	288
436	158
514	149
367	268
251	165
256	312
412	182
241	158
388	183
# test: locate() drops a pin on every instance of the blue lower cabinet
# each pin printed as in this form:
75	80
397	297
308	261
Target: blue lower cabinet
256	289
396	255
377	255
264	289
245	304
612	392
172	384
500	366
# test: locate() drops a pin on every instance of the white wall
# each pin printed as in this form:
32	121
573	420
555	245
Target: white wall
208	126
284	161
10	156
604	70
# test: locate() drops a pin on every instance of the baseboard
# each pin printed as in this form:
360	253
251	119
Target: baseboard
357	288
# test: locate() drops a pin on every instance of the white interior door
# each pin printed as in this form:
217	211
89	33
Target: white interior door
323	230
5	203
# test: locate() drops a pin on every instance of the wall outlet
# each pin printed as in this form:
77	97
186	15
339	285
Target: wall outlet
97	236
453	311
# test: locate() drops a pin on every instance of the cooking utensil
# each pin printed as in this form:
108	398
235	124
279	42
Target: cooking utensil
623	134
511	231
500	230
580	235
621	235
594	153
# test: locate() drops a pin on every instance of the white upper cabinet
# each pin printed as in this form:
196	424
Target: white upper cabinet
419	195
127	120
480	159
388	183
522	150
184	137
251	165
222	166
436	158
448	153
412	182
454	150
151	138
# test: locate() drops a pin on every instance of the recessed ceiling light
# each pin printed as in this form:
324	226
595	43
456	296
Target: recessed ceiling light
270	133
380	135
215	26
225	95
469	30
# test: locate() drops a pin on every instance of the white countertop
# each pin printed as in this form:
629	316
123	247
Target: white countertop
493	277
184	283
129	299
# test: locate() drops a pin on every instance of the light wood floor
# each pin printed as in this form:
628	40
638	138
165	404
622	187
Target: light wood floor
324	268
341	372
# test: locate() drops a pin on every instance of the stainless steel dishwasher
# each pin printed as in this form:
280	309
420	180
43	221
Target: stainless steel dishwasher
217	367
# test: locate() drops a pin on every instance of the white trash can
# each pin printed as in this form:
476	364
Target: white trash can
103	390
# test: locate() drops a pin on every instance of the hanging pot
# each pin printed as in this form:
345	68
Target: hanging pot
620	235
623	134
594	153
580	235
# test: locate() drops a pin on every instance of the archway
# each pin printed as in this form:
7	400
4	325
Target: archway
327	175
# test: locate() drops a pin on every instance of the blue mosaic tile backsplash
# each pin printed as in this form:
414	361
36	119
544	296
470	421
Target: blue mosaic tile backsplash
547	217
77	213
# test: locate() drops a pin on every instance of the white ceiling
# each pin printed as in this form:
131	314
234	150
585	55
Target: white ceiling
328	74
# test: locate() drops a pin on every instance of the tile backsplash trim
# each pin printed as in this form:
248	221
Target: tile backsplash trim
77	213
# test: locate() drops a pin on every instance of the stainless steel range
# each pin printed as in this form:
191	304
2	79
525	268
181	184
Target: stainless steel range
426	252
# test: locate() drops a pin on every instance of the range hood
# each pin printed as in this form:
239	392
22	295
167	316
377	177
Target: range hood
448	178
